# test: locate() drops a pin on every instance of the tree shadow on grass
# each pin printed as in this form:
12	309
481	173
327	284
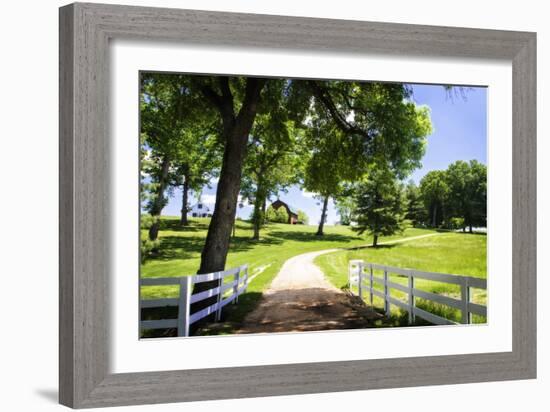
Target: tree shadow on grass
195	225
185	247
174	225
378	247
191	241
178	247
311	237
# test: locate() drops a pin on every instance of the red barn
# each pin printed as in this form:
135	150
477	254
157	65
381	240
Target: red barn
292	213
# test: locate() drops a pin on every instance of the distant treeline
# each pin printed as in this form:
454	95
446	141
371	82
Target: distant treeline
455	198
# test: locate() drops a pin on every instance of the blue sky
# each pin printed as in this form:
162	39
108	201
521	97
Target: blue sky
460	133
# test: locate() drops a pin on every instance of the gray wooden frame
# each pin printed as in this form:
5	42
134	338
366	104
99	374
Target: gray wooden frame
85	30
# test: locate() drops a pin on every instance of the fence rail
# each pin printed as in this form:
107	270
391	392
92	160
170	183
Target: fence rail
361	275
236	287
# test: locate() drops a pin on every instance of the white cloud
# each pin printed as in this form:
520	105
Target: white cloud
242	201
210	199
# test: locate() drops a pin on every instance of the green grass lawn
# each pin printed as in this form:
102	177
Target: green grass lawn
452	253
181	248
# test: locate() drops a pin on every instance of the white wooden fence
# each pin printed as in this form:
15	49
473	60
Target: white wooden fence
360	274
227	292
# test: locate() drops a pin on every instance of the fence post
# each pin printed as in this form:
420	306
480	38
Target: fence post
465	297
387	307
236	286
371	286
220	297
245	282
412	317
349	276
360	279
184	305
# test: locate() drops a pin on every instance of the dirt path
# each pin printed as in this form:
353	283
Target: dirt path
301	299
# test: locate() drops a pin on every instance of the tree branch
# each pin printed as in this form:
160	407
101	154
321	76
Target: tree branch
226	91
210	95
249	106
324	98
223	103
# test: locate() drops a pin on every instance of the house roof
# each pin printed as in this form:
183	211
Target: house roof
291	209
204	206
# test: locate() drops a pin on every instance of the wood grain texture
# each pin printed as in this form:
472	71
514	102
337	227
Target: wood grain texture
524	208
85	30
66	229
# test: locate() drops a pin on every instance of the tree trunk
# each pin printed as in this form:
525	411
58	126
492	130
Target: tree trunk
323	217
264	208
375	240
235	132
258	216
184	200
216	247
214	253
158	203
434	216
257	220
471	229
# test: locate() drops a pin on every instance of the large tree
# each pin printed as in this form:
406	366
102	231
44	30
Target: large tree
236	101
354	124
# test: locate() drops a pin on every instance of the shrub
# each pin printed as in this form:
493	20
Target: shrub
455	223
276	215
147	247
303	217
146	221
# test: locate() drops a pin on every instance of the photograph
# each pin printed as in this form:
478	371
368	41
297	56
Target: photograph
272	204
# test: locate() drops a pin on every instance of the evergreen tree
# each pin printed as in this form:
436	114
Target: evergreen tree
381	205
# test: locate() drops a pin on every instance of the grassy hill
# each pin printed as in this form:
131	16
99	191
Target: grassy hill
181	248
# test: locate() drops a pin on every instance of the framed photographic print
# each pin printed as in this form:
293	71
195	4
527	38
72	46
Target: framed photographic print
259	205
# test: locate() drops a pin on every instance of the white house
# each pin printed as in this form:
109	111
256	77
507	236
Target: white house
200	210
